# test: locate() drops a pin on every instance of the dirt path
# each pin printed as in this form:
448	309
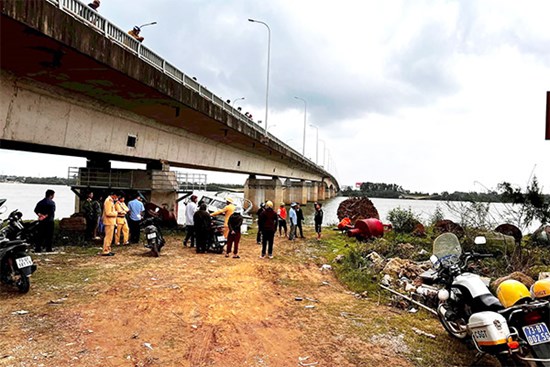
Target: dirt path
188	309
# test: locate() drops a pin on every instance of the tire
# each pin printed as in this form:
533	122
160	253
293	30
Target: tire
457	328
508	361
155	249
24	283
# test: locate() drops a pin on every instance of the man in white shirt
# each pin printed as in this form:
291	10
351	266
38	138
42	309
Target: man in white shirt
190	210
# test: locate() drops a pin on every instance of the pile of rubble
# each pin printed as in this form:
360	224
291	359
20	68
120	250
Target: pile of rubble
356	209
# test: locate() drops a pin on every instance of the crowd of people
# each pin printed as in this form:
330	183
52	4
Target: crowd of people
119	223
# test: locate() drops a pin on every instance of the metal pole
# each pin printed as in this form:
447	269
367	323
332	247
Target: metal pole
268	64
305	119
409	299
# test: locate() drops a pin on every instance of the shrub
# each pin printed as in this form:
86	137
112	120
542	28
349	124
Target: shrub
403	221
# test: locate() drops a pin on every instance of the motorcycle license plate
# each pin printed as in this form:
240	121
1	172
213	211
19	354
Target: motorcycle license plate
537	333
151	235
221	238
23	262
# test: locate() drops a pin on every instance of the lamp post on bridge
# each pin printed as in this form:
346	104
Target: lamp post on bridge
235	100
317	144
305	119
268	62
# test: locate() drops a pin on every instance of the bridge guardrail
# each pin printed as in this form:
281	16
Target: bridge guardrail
93	19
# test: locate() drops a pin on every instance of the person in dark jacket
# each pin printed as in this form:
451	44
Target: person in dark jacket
318	219
45	209
268	225
259	235
91	215
300	215
234	223
202	225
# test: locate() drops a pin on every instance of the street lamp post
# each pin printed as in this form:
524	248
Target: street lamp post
268	62
317	144
305	118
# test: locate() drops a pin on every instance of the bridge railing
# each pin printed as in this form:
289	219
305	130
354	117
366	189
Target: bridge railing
94	20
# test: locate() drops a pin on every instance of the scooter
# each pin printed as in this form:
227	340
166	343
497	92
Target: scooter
153	234
16	266
216	241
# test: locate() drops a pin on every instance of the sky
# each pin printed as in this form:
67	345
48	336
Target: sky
431	95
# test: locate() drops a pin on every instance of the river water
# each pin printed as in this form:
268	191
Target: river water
25	196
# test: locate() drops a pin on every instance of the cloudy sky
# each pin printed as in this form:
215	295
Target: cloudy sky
432	95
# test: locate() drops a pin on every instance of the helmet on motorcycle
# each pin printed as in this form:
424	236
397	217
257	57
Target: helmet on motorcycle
541	289
510	292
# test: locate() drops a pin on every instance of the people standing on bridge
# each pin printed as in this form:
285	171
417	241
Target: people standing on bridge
136	215
259	234
134	32
203	227
293	219
281	214
235	222
190	210
91	215
300	217
45	209
109	222
94	4
318	219
227	210
268	225
121	222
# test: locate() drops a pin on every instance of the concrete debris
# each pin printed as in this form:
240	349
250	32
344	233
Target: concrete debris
420	332
20	312
378	261
325	267
413	310
386	280
58	301
402	268
405	246
339	259
148	345
423	252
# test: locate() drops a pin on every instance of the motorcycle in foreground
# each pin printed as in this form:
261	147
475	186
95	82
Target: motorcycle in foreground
16	266
216	240
153	234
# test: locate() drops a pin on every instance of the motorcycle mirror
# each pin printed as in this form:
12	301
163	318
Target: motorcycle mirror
480	240
433	259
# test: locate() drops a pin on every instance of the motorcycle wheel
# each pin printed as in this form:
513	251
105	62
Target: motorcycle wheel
24	283
508	361
155	249
456	328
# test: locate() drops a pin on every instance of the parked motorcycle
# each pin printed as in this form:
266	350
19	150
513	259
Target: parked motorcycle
216	241
16	266
466	307
153	234
528	316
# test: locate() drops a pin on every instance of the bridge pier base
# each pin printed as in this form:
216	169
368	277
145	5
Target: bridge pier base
313	191
296	191
260	190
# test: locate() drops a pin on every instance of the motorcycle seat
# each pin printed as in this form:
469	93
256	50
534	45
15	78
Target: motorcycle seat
487	302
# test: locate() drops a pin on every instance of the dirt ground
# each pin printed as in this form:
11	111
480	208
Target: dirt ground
188	309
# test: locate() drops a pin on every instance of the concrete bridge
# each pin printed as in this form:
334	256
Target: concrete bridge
72	83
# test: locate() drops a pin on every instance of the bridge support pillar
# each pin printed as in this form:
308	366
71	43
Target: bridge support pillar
260	190
164	186
313	191
321	191
296	191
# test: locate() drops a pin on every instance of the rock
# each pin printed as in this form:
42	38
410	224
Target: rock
542	235
405	246
339	259
399	268
75	224
357	208
386	280
446	225
325	267
520	277
423	252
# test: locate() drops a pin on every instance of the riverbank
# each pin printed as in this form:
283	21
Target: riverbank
186	309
